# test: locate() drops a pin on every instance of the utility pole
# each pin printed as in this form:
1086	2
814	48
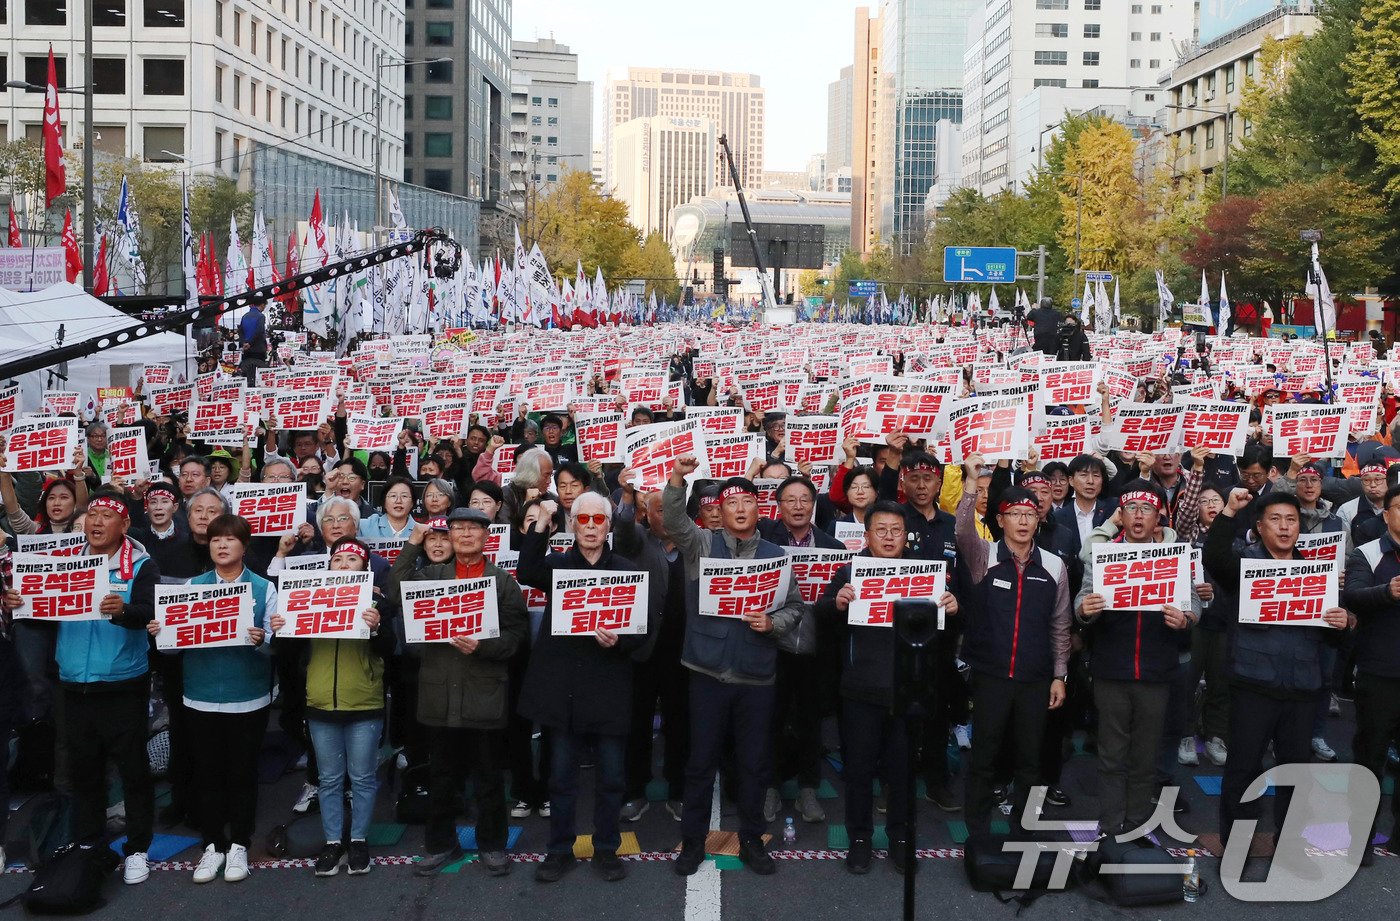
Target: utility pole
378	138
89	218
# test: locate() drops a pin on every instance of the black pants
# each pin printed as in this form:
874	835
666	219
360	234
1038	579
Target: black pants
1377	722
528	779
874	744
248	367
1176	724
1131	714
109	726
1209	651
401	676
1005	712
453	754
7	729
609	784
664	681
225	750
291	683
797	721
1257	719
949	708
716	709
181	772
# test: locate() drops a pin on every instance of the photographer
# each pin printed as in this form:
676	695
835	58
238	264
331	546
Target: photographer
1071	343
1046	322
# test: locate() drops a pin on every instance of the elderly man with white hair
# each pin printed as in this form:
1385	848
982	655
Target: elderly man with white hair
579	686
533	475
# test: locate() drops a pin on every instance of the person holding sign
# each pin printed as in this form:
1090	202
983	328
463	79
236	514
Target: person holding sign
396	521
345	717
872	737
733	661
1137	647
1275	669
579	681
103	667
1016	639
462	701
227	691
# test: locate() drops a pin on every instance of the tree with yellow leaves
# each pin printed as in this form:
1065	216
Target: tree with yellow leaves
1100	197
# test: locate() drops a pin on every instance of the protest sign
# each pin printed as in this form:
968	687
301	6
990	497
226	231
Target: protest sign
387	547
1142	577
813	569
9	406
600	437
215	418
1061	438
586	600
155	375
41	444
437	611
126	455
58	588
301	411
1287	592
371	433
271	509
70	544
307	562
1221	427
447	419
732	455
324	605
1138	428
61	402
814	440
170	399
718	420
1317	431
732	588
995	427
1068	382
880	583
652	449
902	404
1327	545
852	534
204	616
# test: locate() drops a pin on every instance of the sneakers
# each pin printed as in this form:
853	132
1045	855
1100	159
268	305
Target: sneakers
771	802
1055	796
210	863
755	856
307	801
495	862
236	866
359	858
521	810
808	806
1322	750
1186	752
137	869
1216	751
691	856
328	863
858	857
902	857
432	864
609	867
634	809
676	808
554	868
544	809
963	734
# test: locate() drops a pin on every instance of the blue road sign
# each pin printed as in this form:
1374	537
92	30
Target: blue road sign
979	264
1076	303
1104	277
864	288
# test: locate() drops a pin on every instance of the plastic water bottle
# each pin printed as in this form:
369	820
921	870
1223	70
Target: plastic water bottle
1191	886
789	832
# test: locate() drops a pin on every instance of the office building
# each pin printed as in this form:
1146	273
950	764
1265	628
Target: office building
660	162
551	126
838	119
865	109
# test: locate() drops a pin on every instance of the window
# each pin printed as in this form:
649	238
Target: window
36	72
109	13
1091	30
536	120
1156	36
439	33
535	100
1091	59
237	92
553	103
1052	30
1134	63
237	28
408	144
1052	4
438	108
1135	36
1137	8
439	179
166	14
1050	82
438	72
534	139
109	76
1093	4
1210	136
1090	84
408	175
1248	127
1056	58
553	122
1149	97
1155	63
218	83
162	144
219	27
439	4
437	144
408	33
552	141
553	177
45	13
163	77
1230	80
109	139
1156	9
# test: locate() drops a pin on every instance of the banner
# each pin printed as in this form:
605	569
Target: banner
1221	427
718	420
652	449
1317	431
732	588
324	605
60	588
814	440
126	455
1287	592
70	544
732	455
995	427
1138	428
1143	577
814	569
439	611
204	616
902	404
599	437
299	412
1061	438
41	444
586	600
880	583
32	268
271	509
371	433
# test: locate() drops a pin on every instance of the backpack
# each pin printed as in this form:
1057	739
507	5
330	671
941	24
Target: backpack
1160	887
69	882
992	868
38	828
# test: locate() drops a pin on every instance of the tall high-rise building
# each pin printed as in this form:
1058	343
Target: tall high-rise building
921	84
1028	63
865	111
551	128
660	162
455	132
838	120
734	103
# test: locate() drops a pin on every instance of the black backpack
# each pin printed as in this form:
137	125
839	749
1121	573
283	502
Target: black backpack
69	882
37	829
1129	890
992	868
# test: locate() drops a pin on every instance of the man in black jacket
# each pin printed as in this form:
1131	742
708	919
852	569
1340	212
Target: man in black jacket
871	735
1045	320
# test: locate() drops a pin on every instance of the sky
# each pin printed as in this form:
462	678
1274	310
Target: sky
797	47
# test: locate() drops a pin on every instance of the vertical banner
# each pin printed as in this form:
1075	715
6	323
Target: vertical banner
271	509
1287	592
1143	577
880	583
439	611
732	588
324	605
204	616
586	600
60	588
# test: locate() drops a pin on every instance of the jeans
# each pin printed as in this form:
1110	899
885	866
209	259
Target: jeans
609	785
342	747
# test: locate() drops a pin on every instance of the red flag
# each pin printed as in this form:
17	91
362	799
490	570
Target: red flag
290	301
55	178
71	257
15	240
201	268
100	278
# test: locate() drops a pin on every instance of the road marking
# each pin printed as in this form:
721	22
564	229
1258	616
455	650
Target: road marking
702	891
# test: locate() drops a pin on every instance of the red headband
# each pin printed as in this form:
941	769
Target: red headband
735	491
356	549
714	500
1374	468
1018	503
1141	495
111	505
924	465
1030	478
1309	471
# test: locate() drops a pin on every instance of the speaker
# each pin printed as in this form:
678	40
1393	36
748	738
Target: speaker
916	637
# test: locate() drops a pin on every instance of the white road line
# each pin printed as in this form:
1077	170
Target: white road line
702	896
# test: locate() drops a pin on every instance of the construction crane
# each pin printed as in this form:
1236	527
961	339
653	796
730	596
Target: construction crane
764	281
447	260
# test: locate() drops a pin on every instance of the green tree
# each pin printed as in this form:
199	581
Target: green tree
1374	69
575	222
657	264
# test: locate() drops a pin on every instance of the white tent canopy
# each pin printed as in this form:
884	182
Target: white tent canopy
29	325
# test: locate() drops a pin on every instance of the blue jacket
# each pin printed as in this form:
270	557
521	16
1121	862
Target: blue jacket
231	674
93	653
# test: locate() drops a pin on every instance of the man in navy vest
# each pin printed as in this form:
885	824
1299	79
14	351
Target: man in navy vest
732	662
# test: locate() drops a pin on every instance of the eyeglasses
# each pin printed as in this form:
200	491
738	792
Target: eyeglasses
1139	508
1021	514
888	532
339	519
799	501
598	519
192	474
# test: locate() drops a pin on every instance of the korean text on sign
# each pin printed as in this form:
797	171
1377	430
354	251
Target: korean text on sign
438	611
1143	577
814	569
733	588
1287	592
324	605
584	601
41	444
880	583
269	508
203	616
60	588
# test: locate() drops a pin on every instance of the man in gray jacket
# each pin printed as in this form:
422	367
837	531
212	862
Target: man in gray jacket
732	662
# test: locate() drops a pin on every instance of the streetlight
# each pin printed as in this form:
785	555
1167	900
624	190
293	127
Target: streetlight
379	65
1229	113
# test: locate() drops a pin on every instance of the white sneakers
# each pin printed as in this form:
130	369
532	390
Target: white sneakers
1186	751
963	734
1322	750
306	800
210	863
1216	751
236	868
137	869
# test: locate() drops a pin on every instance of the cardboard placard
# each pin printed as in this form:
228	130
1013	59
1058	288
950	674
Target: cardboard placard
58	588
324	605
271	509
879	583
732	588
1143	577
1287	592
204	616
438	611
583	601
